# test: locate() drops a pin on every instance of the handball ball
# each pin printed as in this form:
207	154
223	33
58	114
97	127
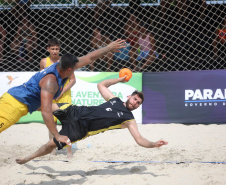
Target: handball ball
127	72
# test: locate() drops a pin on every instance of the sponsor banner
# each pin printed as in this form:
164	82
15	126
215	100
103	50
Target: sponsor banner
84	92
184	97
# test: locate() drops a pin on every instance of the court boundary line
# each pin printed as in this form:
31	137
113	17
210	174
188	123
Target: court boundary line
155	162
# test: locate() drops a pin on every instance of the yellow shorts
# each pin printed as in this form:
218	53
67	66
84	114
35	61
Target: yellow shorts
11	110
65	98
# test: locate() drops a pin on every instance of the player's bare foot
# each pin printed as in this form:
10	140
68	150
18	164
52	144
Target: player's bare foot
22	160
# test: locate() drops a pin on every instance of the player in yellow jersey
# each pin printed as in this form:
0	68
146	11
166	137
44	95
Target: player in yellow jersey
65	97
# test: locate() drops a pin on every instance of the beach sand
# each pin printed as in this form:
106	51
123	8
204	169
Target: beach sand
190	158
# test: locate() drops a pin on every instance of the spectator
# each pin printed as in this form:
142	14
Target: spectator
101	33
103	19
131	30
98	41
25	40
2	41
219	42
65	96
147	51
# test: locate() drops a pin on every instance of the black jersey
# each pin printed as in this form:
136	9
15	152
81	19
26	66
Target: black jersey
79	122
109	115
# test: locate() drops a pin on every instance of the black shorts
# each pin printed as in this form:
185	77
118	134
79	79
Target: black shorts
72	127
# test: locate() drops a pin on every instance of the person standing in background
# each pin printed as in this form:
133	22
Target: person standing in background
102	32
147	50
131	31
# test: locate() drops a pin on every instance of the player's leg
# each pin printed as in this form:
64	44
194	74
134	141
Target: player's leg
68	115
43	150
4	123
11	110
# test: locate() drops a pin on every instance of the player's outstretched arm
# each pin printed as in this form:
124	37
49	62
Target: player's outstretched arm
103	87
140	140
94	55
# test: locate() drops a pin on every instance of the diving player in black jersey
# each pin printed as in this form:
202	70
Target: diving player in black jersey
79	122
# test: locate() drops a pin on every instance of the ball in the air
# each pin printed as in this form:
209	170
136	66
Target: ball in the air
127	72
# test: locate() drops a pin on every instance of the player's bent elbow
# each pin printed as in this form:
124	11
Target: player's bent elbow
99	85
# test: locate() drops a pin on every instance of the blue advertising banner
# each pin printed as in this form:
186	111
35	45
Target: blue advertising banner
185	97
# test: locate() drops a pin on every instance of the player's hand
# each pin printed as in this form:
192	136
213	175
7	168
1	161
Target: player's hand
63	139
122	79
159	143
116	45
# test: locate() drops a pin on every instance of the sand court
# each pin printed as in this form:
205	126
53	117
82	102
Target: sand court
195	155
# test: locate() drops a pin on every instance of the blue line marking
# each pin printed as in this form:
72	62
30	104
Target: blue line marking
173	162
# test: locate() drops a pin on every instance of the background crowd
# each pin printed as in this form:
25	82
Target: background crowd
174	35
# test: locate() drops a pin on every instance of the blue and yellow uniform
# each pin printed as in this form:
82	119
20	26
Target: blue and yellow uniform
79	122
66	97
20	100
